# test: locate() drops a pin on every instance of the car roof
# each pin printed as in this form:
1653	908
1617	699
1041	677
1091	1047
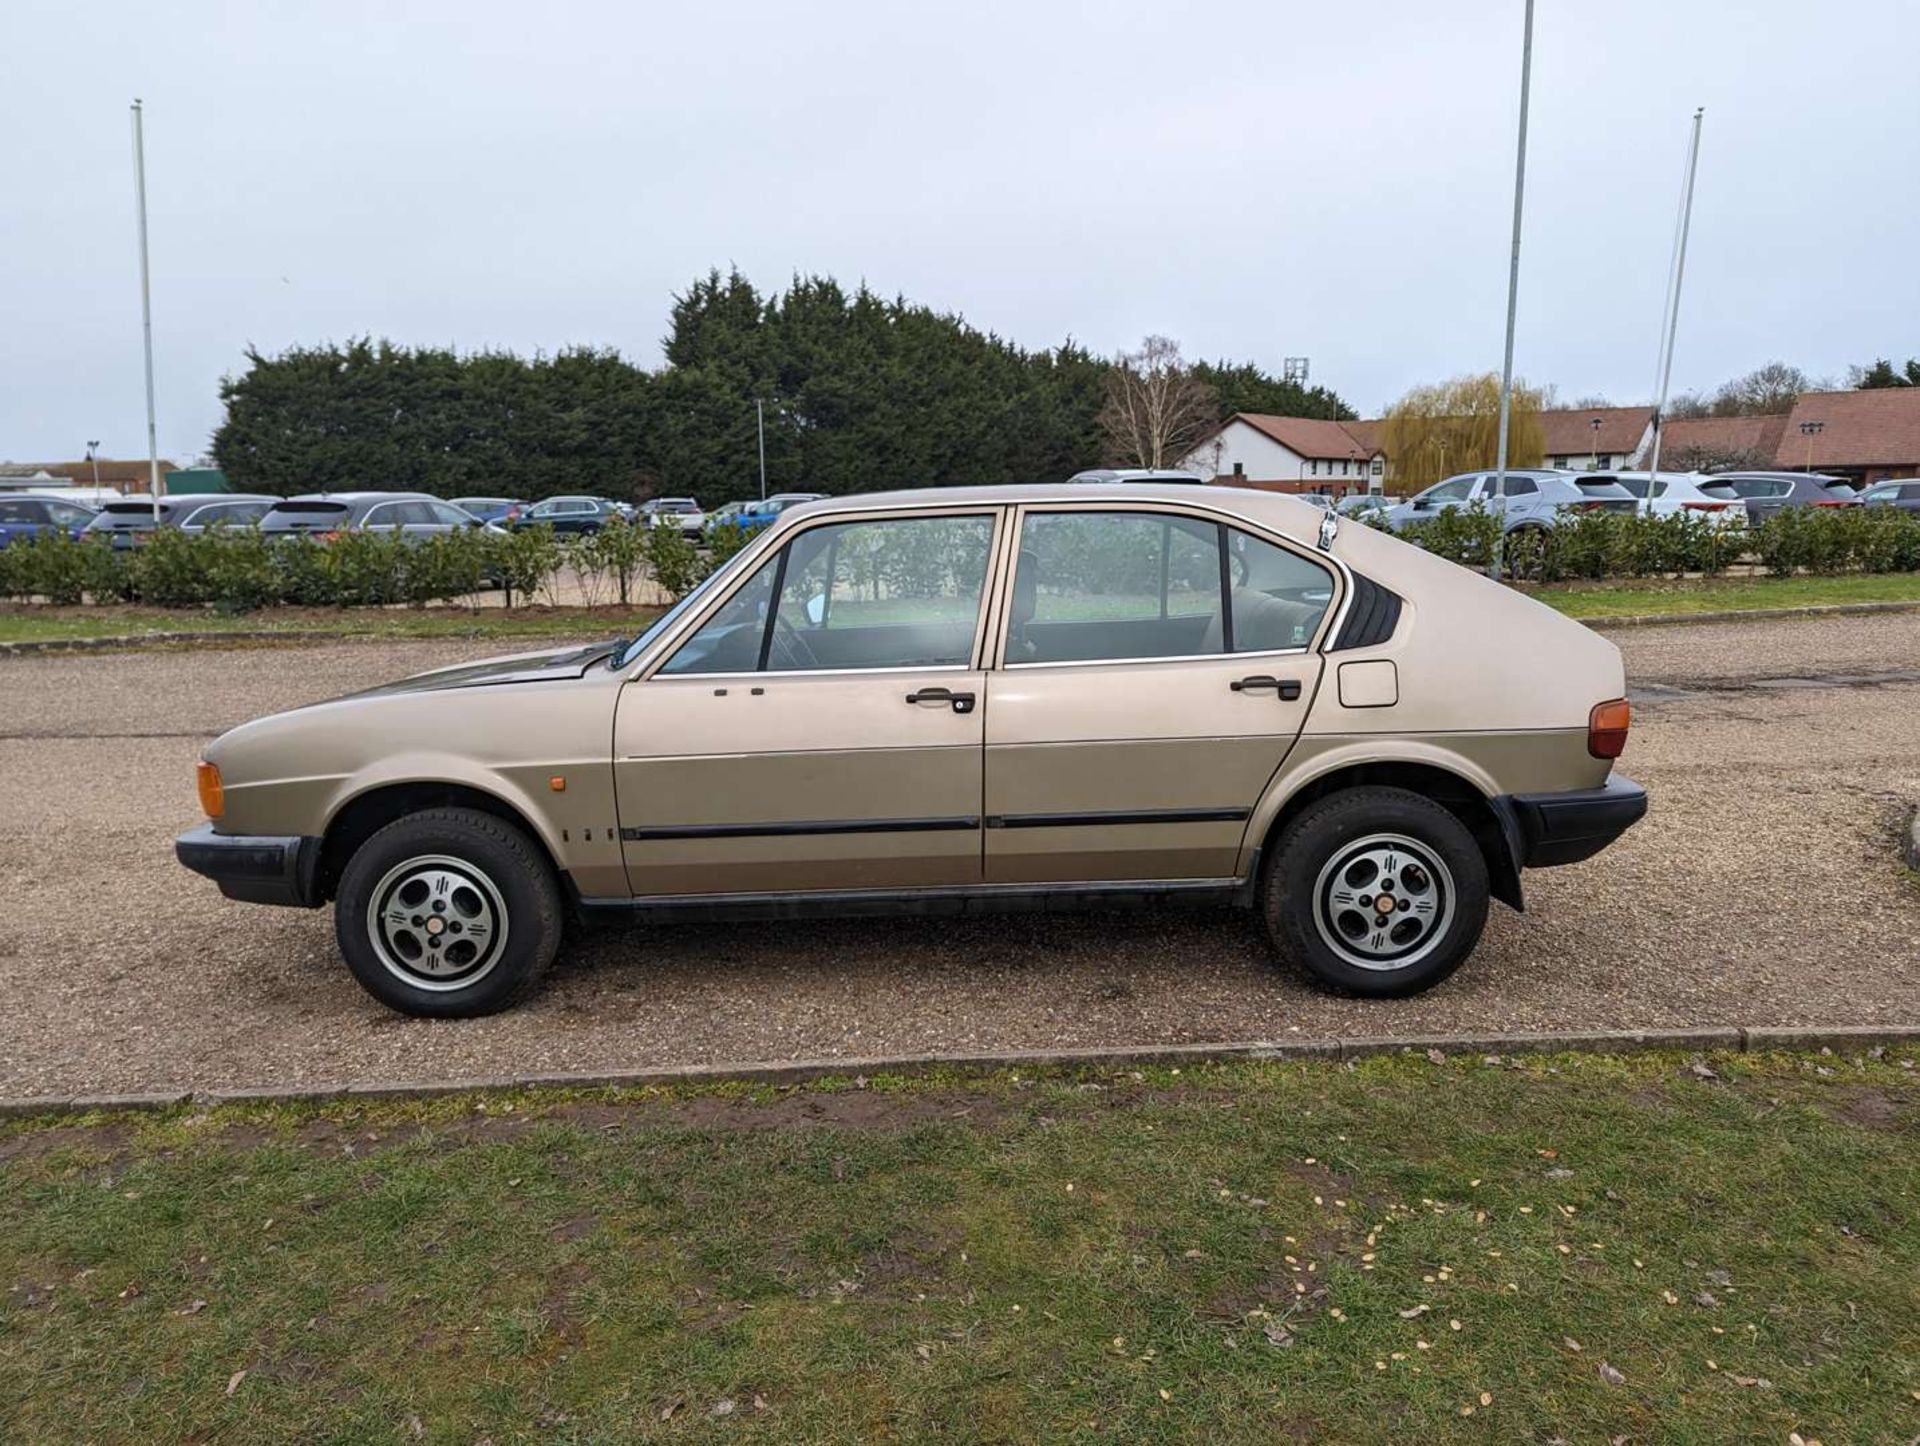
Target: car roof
356	497
1246	501
46	497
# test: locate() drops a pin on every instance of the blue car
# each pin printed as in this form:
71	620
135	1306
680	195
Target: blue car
27	515
759	514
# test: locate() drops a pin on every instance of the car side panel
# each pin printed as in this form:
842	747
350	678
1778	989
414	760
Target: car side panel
509	742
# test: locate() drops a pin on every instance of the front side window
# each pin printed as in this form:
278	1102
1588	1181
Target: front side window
1454	490
65	514
891	593
1115	586
449	515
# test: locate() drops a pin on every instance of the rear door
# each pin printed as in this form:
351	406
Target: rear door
1157	666
822	728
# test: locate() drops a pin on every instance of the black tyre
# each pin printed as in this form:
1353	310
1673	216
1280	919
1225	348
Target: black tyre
448	913
1376	891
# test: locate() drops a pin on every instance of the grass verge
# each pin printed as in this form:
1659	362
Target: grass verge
1643	597
1578	1247
44	624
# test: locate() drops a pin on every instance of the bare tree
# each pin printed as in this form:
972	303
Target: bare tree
1157	411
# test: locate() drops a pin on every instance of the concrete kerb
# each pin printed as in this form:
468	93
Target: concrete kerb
1742	615
1910	839
1837	1040
144	640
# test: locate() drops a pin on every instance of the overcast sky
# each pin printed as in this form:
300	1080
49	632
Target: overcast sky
1257	180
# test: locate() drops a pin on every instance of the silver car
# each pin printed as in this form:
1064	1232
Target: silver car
1531	498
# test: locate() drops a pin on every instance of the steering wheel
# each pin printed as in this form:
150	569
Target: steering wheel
790	648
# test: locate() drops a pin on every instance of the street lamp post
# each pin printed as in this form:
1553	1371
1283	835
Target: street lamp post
760	427
1810	430
1513	272
93	459
1593	459
146	308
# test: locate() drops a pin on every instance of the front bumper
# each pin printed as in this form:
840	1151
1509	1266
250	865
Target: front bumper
1563	828
256	869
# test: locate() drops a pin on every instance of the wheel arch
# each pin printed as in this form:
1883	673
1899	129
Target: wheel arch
1454	788
364	814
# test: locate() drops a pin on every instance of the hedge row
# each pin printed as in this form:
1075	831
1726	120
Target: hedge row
239	569
1593	545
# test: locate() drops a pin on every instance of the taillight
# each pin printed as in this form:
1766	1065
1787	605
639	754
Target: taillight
1834	502
1607	728
329	536
213	794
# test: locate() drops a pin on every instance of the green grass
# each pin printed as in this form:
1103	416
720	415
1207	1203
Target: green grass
1249	1252
1653	596
36	624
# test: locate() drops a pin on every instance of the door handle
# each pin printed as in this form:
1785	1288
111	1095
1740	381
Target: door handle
1287	688
962	702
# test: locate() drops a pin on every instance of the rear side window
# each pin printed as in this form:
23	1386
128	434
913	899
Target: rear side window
1124	586
18	510
304	516
1522	487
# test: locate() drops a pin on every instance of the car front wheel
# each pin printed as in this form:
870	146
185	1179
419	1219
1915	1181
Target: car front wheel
1377	891
448	913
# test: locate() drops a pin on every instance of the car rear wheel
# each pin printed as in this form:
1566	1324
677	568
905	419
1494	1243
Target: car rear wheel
1376	891
448	913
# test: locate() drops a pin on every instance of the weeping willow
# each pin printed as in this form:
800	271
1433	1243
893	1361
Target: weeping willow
1454	426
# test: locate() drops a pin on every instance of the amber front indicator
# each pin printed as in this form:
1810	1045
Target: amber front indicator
1607	728
213	797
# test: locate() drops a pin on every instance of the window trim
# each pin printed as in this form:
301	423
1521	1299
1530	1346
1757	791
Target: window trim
1330	619
750	559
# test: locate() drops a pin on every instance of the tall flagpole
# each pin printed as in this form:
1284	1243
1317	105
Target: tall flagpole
1513	272
146	310
1673	291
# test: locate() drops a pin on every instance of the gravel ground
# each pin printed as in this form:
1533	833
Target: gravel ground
1762	889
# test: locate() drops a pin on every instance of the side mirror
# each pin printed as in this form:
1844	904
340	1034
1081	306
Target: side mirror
1421	504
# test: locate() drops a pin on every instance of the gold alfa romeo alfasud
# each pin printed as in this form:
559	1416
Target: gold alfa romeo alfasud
954	701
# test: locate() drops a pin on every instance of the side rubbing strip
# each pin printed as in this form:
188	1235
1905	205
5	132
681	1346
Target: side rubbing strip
1134	815
1372	618
813	826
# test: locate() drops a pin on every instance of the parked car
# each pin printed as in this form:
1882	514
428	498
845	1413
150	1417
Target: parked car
1900	492
761	513
1766	493
1363	507
25	515
569	514
681	512
1673	492
489	509
1137	474
729	514
323	514
1534	497
952	701
125	522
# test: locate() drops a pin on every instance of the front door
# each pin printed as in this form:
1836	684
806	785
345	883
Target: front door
822	729
1157	668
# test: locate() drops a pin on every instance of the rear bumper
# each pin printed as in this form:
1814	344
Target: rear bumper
256	869
1564	828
